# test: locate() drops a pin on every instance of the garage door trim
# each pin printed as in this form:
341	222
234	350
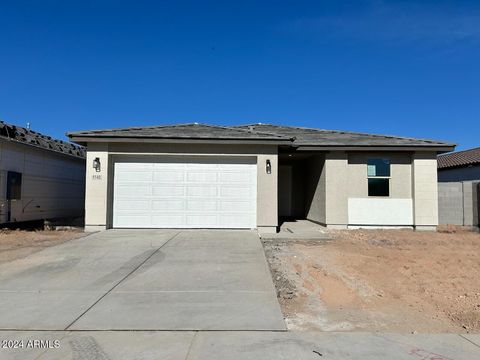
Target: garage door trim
184	192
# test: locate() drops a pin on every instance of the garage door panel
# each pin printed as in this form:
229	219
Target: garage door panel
166	166
130	204
133	190
231	167
171	191
186	194
168	205
202	205
172	220
202	177
236	220
203	166
132	220
202	220
140	176
129	167
167	176
238	205
234	177
240	192
202	191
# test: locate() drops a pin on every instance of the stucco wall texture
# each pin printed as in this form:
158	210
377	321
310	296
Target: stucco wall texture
99	185
333	178
413	176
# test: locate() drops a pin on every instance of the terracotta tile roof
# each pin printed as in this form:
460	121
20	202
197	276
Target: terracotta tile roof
459	158
36	139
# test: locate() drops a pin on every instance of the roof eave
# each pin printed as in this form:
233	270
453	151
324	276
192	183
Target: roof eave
435	148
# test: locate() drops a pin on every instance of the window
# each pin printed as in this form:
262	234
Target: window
378	174
14	185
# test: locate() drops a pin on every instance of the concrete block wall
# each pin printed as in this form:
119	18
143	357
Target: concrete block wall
458	203
470	203
450	203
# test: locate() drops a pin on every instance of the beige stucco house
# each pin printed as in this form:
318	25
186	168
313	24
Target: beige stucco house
204	176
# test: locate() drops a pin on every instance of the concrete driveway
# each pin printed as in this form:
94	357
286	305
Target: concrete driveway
143	280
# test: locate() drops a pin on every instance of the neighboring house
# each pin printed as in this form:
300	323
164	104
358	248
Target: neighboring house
459	166
204	176
40	177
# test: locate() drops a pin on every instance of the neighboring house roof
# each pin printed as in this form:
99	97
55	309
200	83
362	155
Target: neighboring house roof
28	137
286	135
459	158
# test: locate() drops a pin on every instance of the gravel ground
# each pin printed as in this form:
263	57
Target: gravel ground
379	280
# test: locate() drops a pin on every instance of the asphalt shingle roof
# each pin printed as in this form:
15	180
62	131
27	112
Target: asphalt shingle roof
319	137
182	131
459	158
295	136
33	138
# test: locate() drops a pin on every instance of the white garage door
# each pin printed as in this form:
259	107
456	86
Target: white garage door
208	193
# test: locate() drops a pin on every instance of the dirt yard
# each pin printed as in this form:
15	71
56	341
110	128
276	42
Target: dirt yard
379	280
15	244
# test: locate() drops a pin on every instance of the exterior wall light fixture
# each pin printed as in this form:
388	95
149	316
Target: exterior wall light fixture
268	167
96	164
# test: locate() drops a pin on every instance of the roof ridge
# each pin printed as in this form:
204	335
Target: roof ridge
255	131
357	133
179	125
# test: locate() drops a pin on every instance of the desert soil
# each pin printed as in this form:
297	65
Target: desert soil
379	280
15	244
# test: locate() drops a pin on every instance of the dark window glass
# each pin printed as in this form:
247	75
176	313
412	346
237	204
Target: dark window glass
378	167
378	187
14	185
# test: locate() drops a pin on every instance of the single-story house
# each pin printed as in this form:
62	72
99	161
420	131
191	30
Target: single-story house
459	166
205	176
40	177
